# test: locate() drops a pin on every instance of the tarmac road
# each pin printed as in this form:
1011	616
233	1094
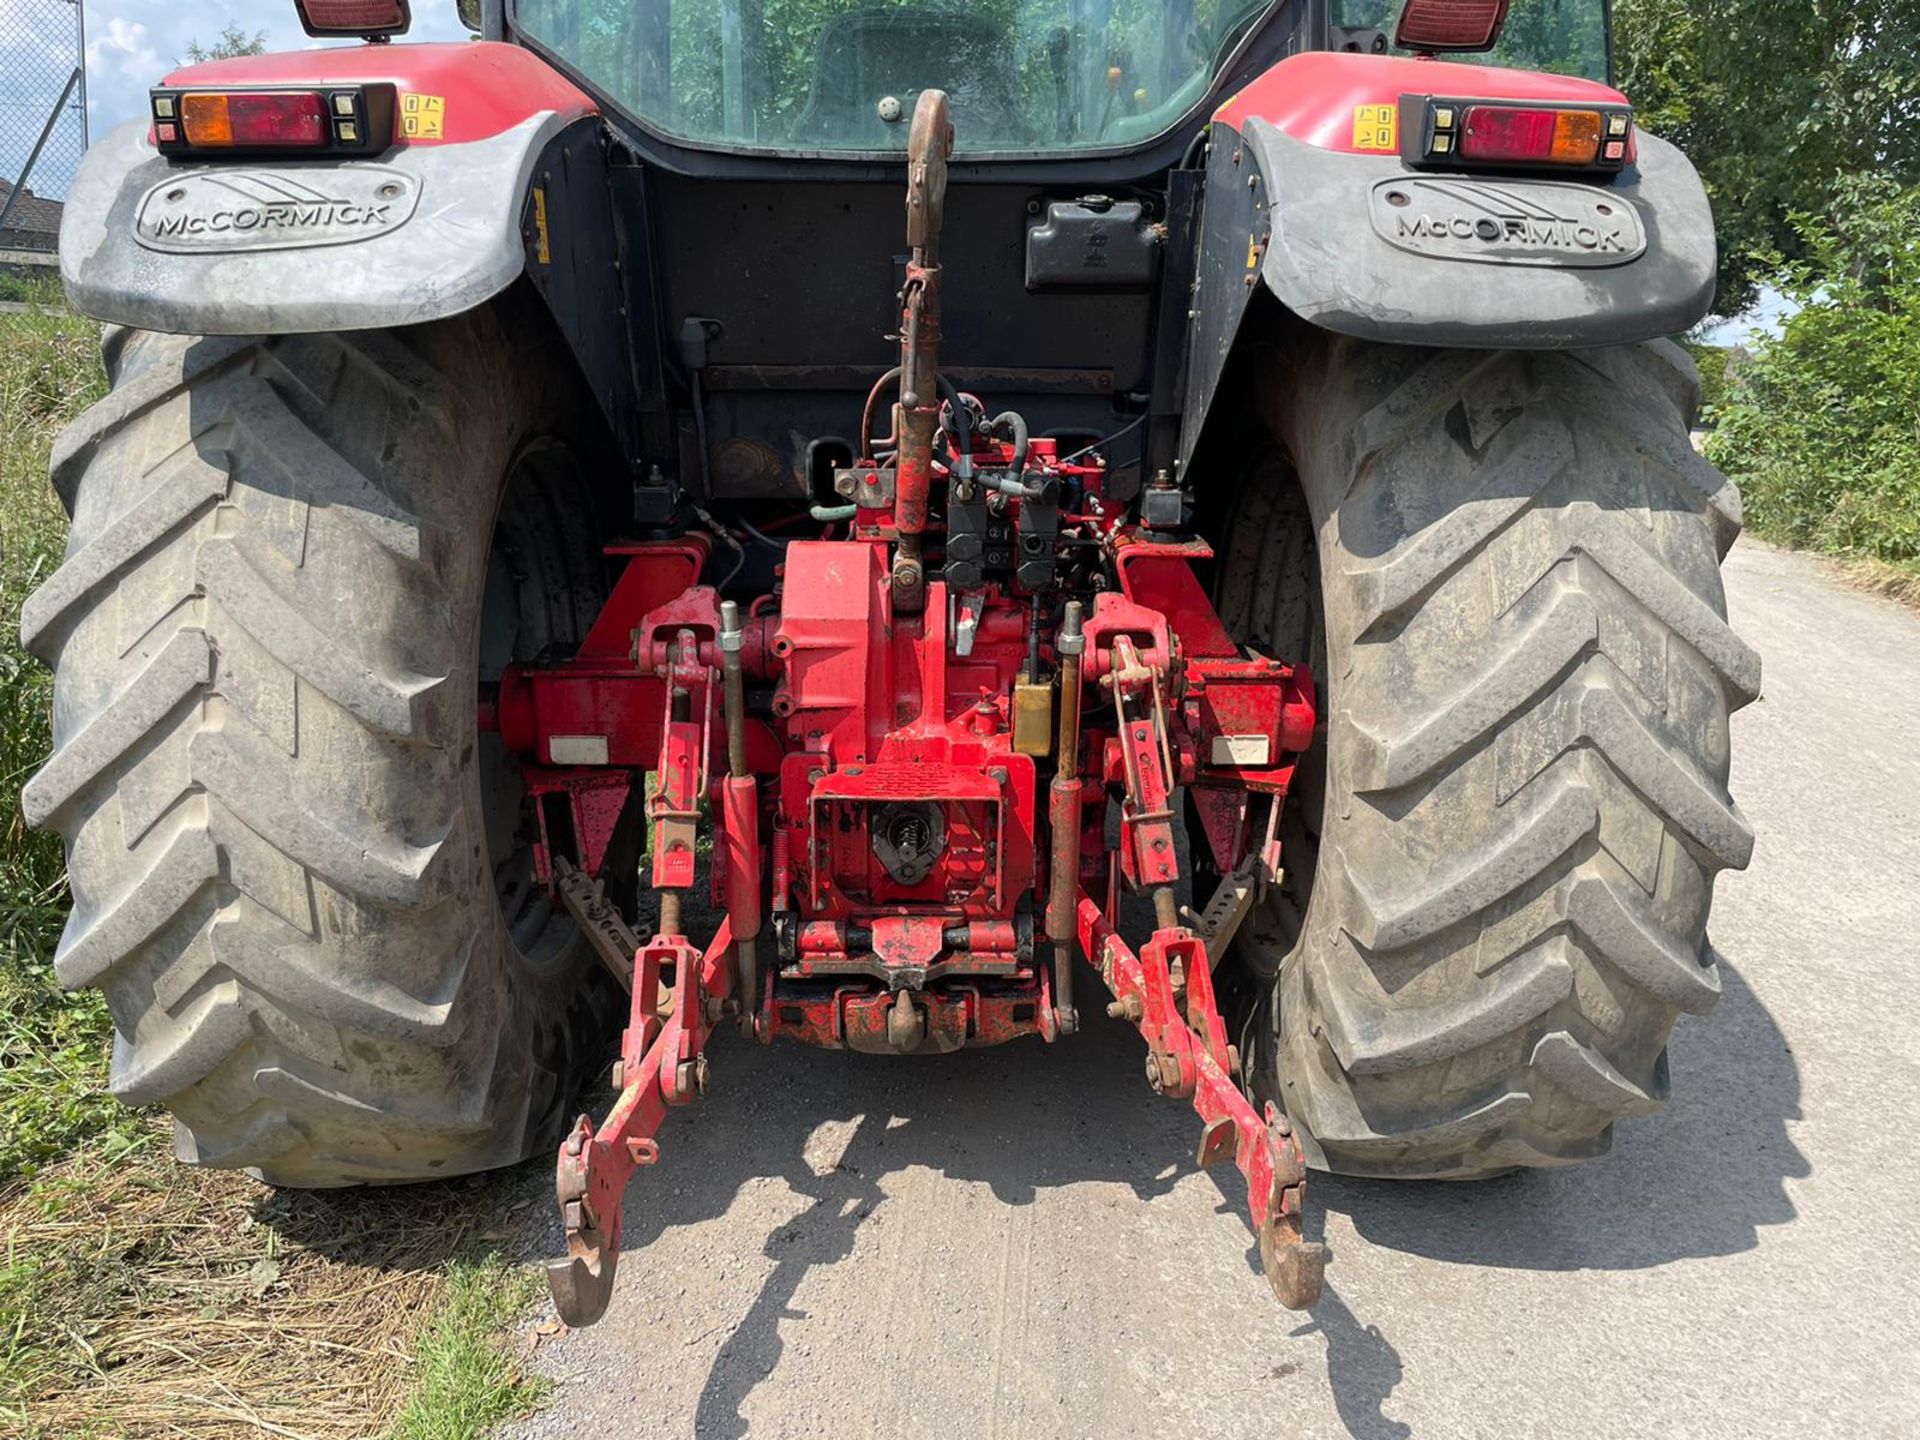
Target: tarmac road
1016	1242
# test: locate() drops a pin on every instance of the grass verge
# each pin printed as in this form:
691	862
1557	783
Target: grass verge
1896	582
139	1297
150	1299
34	287
464	1382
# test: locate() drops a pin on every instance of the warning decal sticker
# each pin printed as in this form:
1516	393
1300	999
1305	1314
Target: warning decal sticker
422	117
1376	127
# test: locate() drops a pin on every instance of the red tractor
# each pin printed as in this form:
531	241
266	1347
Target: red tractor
543	499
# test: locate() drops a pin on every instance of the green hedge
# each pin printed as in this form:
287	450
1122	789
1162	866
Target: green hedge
1716	375
1821	429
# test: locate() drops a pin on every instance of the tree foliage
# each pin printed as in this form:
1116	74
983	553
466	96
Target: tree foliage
1567	37
1779	103
1822	430
231	41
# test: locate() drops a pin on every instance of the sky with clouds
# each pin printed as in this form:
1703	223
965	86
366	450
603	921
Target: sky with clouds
130	45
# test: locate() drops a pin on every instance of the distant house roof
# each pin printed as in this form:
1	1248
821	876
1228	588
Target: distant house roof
32	224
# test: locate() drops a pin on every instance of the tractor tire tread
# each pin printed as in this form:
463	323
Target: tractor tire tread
253	772
1531	674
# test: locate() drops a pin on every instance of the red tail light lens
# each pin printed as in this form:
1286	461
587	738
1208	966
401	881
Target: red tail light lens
1459	26
354	17
264	118
355	119
1455	132
1510	134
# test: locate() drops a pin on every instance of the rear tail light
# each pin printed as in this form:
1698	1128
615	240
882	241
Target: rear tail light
1505	135
1505	132
370	18
331	120
249	120
1454	26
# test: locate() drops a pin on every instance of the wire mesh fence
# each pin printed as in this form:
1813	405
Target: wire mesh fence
43	116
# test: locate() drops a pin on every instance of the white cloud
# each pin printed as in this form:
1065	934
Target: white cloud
124	45
121	63
132	44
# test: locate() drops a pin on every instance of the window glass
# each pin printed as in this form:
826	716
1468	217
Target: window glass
1024	75
1566	37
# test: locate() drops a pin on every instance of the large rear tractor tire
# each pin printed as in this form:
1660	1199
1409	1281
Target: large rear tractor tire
297	868
1500	867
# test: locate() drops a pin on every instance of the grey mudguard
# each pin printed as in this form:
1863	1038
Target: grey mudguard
1364	246
246	247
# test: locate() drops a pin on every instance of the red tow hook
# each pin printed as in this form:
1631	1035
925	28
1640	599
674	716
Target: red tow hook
661	1064
1188	1056
662	1055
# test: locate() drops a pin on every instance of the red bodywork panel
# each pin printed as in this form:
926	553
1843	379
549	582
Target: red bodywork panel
483	88
877	711
600	697
1317	97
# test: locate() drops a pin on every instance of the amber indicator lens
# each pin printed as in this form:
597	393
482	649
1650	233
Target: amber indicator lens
1509	133
1576	137
254	118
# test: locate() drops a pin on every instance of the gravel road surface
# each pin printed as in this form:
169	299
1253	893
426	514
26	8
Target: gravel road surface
1016	1242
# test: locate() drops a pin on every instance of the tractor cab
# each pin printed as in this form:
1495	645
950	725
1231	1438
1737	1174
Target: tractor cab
1025	78
754	149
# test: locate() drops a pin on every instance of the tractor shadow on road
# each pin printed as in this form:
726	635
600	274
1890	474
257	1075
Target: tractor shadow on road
1018	1119
1699	1180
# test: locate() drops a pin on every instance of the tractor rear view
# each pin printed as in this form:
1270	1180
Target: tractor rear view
546	484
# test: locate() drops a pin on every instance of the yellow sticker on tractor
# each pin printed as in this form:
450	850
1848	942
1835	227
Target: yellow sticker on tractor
1376	127
422	117
542	251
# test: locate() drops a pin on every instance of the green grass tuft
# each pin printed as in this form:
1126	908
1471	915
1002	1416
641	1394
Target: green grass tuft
465	1379
34	288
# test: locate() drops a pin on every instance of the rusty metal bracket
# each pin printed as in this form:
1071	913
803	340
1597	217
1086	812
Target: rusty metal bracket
1232	901
1295	1267
599	921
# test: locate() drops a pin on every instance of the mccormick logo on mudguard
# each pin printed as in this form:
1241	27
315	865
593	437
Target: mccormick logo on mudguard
230	210
1508	222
